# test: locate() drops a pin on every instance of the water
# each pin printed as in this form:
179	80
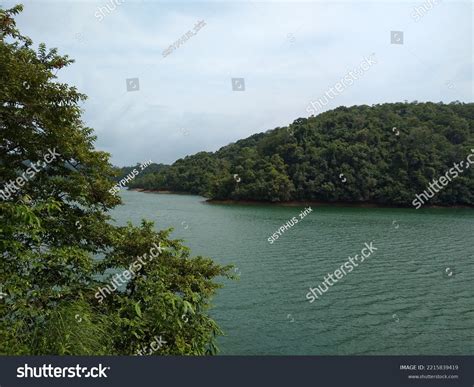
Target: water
414	295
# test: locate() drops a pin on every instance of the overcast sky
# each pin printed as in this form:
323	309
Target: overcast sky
289	54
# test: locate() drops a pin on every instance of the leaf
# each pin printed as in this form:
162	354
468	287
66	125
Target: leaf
138	310
188	306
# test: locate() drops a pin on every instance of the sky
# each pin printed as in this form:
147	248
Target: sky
288	53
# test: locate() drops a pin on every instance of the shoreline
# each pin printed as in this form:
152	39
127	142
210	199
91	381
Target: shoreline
157	191
300	203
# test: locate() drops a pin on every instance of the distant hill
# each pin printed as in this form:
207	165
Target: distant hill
142	173
382	154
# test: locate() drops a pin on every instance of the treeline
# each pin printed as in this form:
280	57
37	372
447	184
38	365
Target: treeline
142	169
383	154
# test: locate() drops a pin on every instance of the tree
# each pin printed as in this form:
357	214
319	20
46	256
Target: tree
384	154
59	245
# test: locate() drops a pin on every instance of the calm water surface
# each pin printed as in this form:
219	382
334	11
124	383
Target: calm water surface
413	296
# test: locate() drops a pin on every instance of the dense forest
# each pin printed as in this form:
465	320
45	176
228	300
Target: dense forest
383	154
143	170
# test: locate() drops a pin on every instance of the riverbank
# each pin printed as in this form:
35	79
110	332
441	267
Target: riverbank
303	203
298	203
156	191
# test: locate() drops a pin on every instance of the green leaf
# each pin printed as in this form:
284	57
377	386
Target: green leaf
138	310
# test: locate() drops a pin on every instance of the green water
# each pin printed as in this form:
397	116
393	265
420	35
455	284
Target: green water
413	296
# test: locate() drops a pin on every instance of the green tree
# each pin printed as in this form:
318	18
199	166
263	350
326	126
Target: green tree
383	154
58	243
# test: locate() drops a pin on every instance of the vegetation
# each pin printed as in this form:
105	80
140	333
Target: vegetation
383	154
122	172
58	243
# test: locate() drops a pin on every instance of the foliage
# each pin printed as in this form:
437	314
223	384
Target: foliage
305	160
152	168
58	243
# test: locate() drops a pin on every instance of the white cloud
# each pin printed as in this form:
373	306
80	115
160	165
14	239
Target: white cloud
288	52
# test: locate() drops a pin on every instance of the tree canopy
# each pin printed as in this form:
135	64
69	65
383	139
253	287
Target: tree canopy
58	243
383	154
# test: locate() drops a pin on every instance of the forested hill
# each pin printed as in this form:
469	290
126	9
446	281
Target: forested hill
143	169
382	154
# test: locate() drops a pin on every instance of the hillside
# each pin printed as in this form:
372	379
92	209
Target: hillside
383	154
143	170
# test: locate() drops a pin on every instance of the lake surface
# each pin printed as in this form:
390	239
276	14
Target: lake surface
414	295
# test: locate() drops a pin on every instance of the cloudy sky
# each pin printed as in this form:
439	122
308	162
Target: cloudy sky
289	54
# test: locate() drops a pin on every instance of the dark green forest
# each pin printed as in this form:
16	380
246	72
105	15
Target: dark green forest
122	172
383	154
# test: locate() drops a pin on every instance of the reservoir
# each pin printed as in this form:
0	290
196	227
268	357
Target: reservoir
414	295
